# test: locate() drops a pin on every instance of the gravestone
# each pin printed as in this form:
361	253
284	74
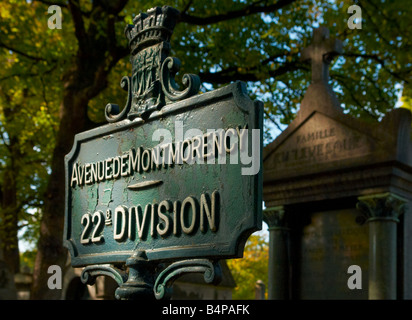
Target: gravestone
336	190
172	184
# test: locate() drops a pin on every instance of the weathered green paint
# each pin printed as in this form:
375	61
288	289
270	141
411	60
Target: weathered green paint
238	213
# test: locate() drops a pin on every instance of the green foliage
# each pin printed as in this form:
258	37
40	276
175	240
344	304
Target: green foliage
376	62
28	116
264	48
251	268
27	259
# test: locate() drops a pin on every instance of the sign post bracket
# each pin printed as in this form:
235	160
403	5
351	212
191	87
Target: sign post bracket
211	270
138	283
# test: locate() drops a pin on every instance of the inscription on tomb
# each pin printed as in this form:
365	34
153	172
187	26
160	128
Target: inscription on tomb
320	140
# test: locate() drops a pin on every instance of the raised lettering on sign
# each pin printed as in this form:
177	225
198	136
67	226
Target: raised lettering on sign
163	219
210	145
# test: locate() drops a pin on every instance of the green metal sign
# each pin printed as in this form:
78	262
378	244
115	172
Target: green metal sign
175	176
183	183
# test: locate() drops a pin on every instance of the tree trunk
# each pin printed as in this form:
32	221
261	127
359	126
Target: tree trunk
96	56
9	217
73	118
82	83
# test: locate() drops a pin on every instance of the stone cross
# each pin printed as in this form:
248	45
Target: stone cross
320	53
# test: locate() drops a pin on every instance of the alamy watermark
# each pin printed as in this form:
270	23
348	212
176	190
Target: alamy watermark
355	280
55	280
355	20
55	20
198	147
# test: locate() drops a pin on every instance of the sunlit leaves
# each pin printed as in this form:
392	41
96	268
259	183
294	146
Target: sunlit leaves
30	54
251	268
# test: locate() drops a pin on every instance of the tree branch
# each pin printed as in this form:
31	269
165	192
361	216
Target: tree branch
31	74
187	6
115	7
18	75
232	73
343	81
376	58
80	31
269	116
22	53
51	3
377	9
245	11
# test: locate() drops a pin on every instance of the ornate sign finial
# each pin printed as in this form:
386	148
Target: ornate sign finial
151	85
320	53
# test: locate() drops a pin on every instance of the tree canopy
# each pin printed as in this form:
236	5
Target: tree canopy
55	83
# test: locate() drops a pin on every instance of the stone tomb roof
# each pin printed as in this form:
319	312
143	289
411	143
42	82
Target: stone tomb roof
326	154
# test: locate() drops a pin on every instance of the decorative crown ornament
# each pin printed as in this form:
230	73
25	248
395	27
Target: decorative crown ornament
152	84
